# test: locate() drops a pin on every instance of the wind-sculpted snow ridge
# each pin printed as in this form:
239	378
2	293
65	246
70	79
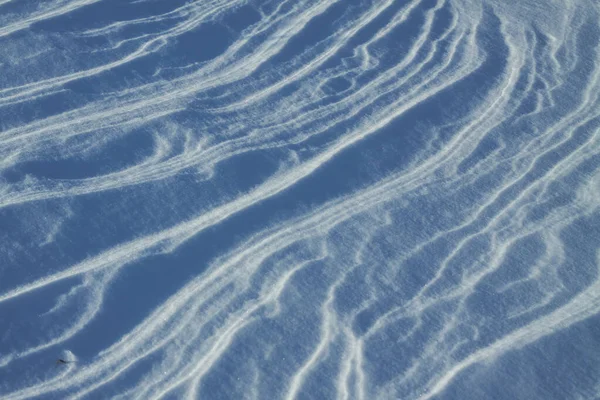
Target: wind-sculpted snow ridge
231	199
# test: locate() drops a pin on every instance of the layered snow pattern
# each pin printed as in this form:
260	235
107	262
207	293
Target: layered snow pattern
312	199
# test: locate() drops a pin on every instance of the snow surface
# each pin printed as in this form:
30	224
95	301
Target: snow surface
326	199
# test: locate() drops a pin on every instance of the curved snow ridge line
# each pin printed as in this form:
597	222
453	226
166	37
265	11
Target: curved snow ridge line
584	147
266	190
467	285
557	222
192	9
393	79
92	308
154	44
156	318
436	357
147	48
45	14
270	293
432	355
58	128
127	251
136	108
112	181
198	371
71	119
585	305
131	251
544	180
206	294
72	193
391	107
311	67
322	57
256	54
568	214
331	329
